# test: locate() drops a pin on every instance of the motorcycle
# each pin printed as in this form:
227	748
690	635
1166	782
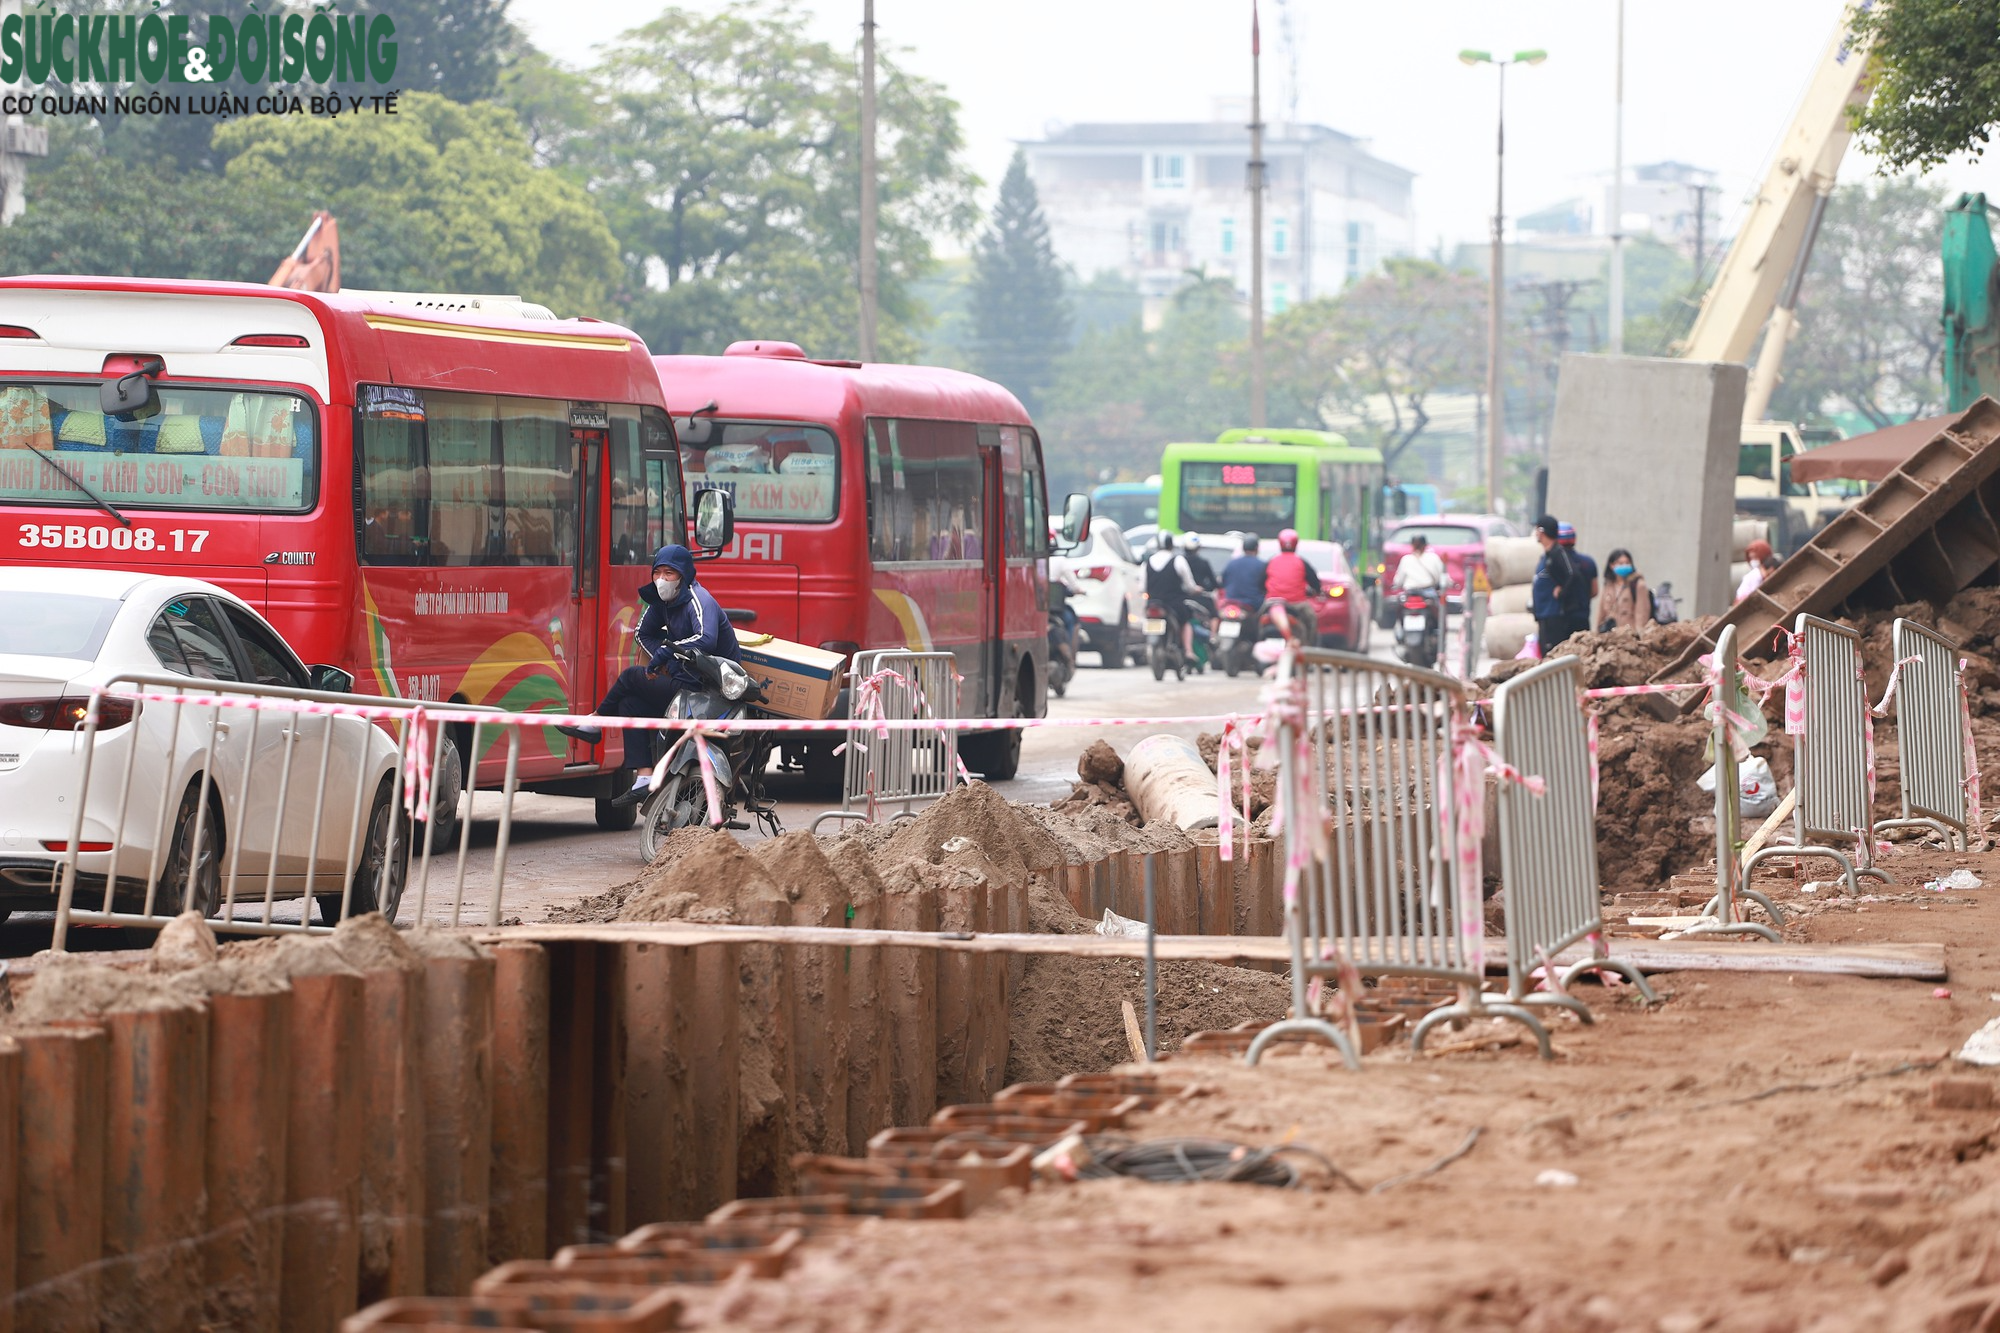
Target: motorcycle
1163	641
1419	627
1236	637
1062	640
679	797
1202	612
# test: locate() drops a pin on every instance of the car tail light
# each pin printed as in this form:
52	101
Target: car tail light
1337	590
270	340
1102	573
61	845
17	331
64	714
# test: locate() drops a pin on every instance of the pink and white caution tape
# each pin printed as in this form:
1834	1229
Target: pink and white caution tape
700	736
1475	759
1230	756
417	767
1895	677
1975	818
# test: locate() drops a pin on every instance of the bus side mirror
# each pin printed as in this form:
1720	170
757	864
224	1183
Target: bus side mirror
714	519
1075	520
131	397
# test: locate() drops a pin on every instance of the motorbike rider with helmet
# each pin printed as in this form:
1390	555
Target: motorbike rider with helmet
1170	581
1288	578
1200	604
681	616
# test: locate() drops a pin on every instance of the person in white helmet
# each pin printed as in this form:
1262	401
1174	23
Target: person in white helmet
1170	581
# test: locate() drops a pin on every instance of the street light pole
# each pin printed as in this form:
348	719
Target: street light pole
1256	183
1617	284
1496	414
868	280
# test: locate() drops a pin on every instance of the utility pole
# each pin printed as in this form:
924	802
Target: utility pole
867	180
1700	226
1256	183
1496	297
1617	285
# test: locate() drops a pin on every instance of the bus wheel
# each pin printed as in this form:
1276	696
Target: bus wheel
615	818
995	756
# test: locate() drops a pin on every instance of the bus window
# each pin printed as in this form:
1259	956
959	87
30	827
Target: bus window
645	487
929	490
778	472
1035	496
892	520
393	490
466	514
1251	497
541	497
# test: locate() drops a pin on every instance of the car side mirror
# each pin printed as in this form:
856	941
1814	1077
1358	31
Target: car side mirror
714	519
1075	520
331	679
131	397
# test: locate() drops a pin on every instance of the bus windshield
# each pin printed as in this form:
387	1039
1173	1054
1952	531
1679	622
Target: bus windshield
1128	509
779	472
233	449
1220	497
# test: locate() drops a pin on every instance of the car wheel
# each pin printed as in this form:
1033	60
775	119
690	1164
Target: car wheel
680	804
192	879
615	818
378	881
1112	656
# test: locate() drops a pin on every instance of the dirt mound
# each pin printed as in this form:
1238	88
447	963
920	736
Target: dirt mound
798	864
81	991
185	942
373	945
1014	845
1100	763
1621	657
705	873
1065	1016
291	956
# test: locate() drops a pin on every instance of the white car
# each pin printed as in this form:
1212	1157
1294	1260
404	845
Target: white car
1110	592
63	631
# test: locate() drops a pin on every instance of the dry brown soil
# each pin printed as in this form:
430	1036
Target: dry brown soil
1756	1152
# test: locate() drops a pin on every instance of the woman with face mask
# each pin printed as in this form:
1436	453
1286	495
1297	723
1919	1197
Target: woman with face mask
1626	602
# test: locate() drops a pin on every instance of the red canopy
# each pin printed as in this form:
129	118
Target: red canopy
1870	457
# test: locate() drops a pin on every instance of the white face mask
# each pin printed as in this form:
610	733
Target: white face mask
667	588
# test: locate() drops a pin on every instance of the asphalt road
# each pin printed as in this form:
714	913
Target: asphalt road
557	854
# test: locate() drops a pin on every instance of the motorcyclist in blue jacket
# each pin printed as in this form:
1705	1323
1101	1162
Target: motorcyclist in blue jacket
681	616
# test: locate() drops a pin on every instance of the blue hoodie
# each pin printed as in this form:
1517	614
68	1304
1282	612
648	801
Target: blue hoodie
692	621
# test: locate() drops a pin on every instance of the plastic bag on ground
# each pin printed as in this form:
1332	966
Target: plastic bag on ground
1757	790
1114	924
1960	878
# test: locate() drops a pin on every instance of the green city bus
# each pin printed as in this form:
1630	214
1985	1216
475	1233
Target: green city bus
1266	480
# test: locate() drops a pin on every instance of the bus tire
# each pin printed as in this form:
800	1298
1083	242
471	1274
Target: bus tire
615	818
994	755
447	787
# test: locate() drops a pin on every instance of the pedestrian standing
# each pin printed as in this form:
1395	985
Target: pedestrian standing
1756	553
1583	590
1626	603
1553	577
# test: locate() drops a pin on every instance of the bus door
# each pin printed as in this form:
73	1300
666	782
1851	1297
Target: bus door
992	570
589	429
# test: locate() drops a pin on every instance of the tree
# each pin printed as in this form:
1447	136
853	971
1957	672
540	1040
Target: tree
1869	337
441	195
728	165
1020	314
93	214
1937	81
454	48
1380	348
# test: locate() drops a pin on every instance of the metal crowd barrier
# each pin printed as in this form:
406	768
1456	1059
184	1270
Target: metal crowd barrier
1730	879
1930	730
1830	758
1548	840
305	822
905	766
1384	894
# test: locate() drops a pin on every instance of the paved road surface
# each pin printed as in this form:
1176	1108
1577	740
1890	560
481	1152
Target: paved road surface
558	855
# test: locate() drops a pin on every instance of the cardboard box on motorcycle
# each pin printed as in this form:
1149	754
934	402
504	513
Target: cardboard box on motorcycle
799	681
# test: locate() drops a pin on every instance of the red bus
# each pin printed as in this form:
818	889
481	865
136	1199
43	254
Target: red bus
878	506
449	498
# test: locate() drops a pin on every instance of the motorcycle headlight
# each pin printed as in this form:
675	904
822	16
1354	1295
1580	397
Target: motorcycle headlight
735	680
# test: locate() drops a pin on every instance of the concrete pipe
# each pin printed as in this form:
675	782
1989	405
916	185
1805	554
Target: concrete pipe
1169	780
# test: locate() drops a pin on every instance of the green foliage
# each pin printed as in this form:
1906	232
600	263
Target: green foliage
1869	337
1937	80
442	196
1020	315
93	214
454	48
727	160
1381	347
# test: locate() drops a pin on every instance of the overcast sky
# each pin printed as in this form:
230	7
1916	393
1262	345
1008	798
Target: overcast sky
1708	82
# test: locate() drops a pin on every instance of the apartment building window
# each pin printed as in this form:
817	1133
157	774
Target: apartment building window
1169	171
1360	238
1281	235
1229	236
1281	296
1166	238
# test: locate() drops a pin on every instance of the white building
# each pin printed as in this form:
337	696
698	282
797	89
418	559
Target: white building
1671	202
1158	202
